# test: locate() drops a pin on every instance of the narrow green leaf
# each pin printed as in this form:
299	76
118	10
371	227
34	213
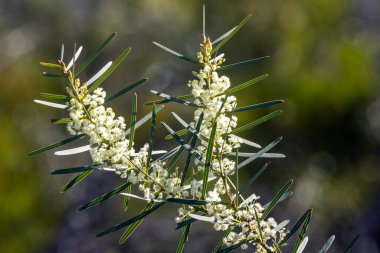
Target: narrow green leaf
221	241
126	198
233	32
180	56
231	248
61	121
151	136
47	74
181	244
301	236
275	200
125	90
143	120
174	99
256	122
223	36
185	223
258	225
351	245
244	85
253	179
128	232
243	63
133	120
104	197
50	65
53	96
76	180
237	189
149	209
192	145
98	51
208	159
168	154
260	153
327	244
183	143
283	197
109	71
193	202
74	169
296	226
190	128
164	101
256	106
178	154
179	133
57	144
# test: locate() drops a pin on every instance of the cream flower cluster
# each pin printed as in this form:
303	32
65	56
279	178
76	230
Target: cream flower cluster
110	148
211	93
108	137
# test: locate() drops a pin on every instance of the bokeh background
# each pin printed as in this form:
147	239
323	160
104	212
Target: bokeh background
324	63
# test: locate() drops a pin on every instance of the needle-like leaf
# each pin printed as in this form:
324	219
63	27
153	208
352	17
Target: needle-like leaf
61	121
180	56
208	159
53	96
181	244
294	229
256	106
243	63
114	65
164	101
104	197
74	169
151	207
174	99
56	145
125	90
276	198
151	135
133	121
230	35
244	85
183	143
76	180
192	145
260	153
256	122
98	51
253	179
351	245
327	245
221	241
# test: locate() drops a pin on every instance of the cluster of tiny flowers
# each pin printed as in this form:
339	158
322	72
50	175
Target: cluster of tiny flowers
109	145
111	148
211	93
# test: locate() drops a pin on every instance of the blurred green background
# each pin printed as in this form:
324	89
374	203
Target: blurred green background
324	63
